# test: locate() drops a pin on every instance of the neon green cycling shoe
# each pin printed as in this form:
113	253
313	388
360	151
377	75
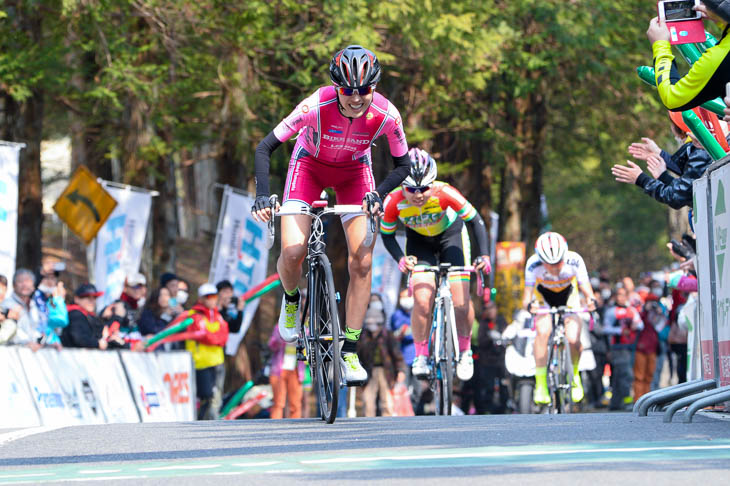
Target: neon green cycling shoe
541	396
576	392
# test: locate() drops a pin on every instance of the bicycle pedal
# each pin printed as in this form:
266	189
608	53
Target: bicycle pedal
356	383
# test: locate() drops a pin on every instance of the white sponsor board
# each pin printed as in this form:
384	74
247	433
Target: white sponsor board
239	255
17	408
104	382
720	186
386	276
8	207
176	370
152	394
701	223
119	243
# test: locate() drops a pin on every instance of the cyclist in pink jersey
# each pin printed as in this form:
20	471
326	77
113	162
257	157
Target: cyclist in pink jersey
336	127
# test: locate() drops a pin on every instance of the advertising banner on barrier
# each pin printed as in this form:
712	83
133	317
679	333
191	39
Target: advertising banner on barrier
17	408
701	223
239	254
57	404
720	186
176	370
103	381
119	243
8	207
386	276
509	276
151	394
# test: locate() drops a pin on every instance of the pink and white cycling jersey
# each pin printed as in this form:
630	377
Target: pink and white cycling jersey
329	136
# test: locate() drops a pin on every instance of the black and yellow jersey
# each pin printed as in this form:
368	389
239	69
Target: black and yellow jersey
705	80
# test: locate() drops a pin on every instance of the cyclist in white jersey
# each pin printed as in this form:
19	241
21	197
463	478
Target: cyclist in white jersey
555	277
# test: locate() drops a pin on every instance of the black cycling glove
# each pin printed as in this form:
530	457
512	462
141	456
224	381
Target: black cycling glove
262	202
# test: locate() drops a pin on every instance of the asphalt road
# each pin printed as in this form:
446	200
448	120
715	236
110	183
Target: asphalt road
508	449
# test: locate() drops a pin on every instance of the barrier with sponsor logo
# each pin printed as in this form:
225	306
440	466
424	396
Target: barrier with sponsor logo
80	386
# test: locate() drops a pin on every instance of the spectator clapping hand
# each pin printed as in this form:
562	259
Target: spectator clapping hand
626	173
656	165
644	149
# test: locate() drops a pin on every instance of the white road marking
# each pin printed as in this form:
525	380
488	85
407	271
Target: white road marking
283	471
99	471
255	464
25	475
180	467
105	478
20	434
512	454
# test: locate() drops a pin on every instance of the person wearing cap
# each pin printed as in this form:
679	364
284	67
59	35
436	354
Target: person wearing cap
133	295
689	163
85	329
208	335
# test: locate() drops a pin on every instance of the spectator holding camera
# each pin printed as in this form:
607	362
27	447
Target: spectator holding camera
87	330
50	300
134	296
230	306
706	78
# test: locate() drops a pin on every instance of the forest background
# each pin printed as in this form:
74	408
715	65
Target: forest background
520	101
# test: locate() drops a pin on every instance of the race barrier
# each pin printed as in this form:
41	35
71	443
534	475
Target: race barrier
82	386
711	220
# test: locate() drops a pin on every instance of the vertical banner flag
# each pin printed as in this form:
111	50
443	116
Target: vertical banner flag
239	254
509	276
120	241
701	223
386	276
8	207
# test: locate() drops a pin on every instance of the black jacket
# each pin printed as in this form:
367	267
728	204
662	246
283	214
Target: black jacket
83	331
690	163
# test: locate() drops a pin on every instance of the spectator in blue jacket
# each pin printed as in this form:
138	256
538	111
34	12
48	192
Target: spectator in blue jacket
50	300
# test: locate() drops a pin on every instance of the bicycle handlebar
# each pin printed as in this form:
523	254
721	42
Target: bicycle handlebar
337	209
561	310
445	270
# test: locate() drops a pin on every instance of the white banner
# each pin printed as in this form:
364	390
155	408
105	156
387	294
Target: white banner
57	405
720	186
177	373
103	381
17	408
120	241
239	255
8	207
151	393
701	224
386	276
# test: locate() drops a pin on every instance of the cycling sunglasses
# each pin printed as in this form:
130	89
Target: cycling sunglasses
416	189
365	90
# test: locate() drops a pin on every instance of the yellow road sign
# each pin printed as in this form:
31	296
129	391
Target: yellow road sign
84	205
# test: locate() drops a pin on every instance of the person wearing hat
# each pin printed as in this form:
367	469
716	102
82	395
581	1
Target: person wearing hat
134	294
85	329
208	334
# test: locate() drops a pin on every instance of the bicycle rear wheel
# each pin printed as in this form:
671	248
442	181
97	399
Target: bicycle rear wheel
325	338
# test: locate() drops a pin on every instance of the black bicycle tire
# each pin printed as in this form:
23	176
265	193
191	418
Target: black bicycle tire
450	357
567	372
325	296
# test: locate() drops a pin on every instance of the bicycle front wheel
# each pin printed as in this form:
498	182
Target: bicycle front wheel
443	360
325	334
565	379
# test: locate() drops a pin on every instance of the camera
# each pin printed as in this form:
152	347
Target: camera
681	249
678	10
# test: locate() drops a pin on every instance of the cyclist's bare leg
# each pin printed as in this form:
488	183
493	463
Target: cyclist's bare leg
359	265
462	306
423	290
294	234
544	326
572	333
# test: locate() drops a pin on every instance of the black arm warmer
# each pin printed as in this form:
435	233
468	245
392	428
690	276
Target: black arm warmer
391	244
396	176
261	163
480	233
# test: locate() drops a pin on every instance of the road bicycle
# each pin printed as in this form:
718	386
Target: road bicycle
443	344
559	364
320	331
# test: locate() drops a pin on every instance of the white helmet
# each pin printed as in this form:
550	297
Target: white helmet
423	169
551	247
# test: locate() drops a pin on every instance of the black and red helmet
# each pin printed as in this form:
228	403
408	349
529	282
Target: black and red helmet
354	67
